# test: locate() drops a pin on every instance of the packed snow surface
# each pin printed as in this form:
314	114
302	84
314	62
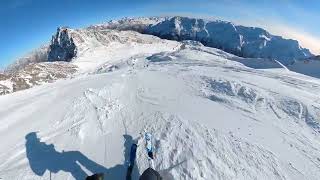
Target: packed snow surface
213	115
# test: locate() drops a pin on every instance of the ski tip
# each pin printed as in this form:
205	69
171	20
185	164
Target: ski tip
150	155
98	176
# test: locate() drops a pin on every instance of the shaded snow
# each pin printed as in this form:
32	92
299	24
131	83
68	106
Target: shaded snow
310	67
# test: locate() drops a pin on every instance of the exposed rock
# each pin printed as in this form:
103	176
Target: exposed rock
62	47
3	76
35	74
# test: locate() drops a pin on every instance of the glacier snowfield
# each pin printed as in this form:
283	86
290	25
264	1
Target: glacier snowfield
213	115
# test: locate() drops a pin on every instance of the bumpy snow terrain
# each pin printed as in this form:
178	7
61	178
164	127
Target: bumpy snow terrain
213	115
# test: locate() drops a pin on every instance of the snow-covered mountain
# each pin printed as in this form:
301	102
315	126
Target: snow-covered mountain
67	43
236	39
213	115
87	45
35	74
136	24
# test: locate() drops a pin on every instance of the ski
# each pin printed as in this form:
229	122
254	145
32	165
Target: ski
149	148
133	152
98	176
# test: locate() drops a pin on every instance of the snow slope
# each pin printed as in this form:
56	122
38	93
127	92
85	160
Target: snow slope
310	67
94	48
98	48
213	115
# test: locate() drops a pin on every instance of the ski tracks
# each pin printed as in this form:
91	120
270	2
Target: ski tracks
187	150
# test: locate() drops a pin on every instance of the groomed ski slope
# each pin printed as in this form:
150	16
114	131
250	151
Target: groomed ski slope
211	116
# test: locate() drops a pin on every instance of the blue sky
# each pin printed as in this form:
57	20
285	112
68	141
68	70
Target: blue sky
27	24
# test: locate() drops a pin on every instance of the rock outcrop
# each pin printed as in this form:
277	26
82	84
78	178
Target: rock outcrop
62	47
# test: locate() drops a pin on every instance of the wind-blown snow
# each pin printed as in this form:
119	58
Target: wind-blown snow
213	115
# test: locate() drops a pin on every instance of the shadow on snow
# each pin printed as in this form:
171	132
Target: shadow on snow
44	157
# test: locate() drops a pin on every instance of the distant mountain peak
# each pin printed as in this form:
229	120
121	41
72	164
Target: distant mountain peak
240	40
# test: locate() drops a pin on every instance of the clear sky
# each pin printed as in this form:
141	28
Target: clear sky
27	24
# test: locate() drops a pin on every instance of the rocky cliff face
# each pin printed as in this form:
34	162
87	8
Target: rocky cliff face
62	47
239	40
38	66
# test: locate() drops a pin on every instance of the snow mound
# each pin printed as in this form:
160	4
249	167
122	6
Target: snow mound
250	99
160	57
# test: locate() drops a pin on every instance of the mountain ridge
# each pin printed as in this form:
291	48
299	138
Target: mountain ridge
147	25
213	115
67	43
240	40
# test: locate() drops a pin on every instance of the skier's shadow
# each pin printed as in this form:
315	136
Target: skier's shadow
119	171
44	157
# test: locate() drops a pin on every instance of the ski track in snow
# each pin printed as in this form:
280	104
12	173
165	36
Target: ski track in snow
211	116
